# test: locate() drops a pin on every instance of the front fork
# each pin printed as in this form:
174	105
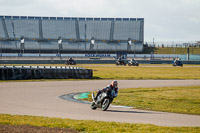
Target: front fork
93	96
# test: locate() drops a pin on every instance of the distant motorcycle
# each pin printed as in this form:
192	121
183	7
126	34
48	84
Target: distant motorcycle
70	62
120	63
103	100
133	63
177	63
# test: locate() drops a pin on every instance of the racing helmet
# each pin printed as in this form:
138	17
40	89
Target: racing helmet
114	83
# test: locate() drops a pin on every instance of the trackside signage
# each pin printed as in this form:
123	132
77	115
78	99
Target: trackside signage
97	55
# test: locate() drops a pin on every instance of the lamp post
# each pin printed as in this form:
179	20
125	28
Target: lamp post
153	41
134	49
92	42
129	42
85	36
22	40
59	45
1	50
39	48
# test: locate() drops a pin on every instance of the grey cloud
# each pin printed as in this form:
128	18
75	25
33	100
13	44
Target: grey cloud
165	20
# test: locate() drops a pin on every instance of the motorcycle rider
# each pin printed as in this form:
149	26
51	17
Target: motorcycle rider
119	59
176	61
132	61
113	86
71	59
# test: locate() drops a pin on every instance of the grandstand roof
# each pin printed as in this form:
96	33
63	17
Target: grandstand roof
72	18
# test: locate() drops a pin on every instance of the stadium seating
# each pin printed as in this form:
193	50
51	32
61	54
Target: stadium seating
10	45
110	34
26	28
56	28
2	33
100	30
32	45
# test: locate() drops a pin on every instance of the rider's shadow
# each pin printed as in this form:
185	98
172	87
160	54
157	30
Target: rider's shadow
139	112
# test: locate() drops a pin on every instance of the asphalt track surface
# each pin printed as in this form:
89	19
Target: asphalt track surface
42	99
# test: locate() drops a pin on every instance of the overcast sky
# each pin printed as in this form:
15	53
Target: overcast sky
164	20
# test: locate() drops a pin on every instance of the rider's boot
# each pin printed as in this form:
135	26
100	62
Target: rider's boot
98	93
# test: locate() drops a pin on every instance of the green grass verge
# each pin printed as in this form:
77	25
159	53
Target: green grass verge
168	99
171	50
146	72
91	126
177	51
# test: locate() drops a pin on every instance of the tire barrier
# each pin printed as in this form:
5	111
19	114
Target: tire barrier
43	72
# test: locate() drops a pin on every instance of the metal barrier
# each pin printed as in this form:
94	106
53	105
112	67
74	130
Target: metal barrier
159	61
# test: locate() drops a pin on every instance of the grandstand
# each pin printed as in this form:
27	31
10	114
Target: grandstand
77	35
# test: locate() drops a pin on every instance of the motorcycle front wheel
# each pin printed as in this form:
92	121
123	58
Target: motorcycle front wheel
93	106
105	104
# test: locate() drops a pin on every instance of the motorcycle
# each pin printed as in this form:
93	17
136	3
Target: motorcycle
103	100
133	63
177	63
68	62
120	63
